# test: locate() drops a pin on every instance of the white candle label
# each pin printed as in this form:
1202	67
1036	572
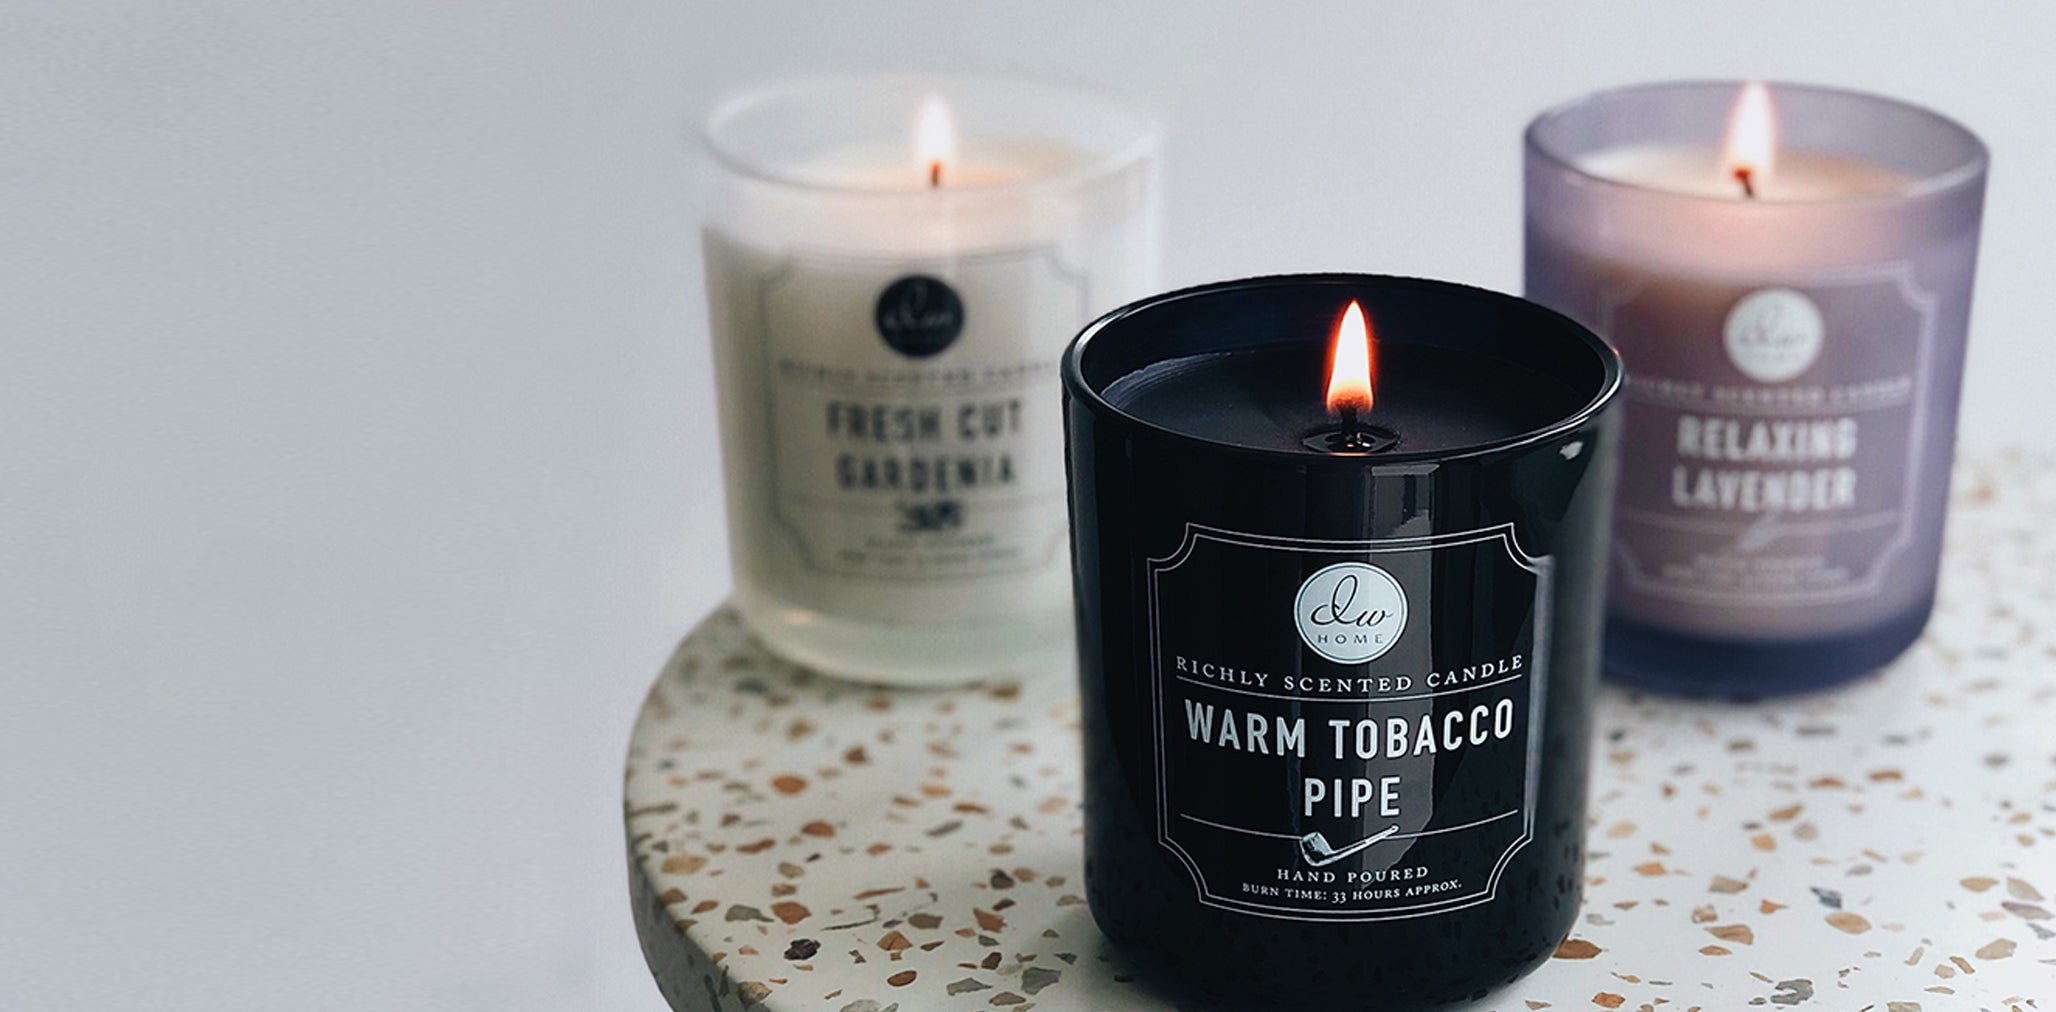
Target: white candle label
1347	730
1772	452
915	421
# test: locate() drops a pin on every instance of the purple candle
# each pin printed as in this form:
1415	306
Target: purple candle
1786	272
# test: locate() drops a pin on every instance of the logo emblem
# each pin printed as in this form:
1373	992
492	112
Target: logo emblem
1773	335
918	316
1350	612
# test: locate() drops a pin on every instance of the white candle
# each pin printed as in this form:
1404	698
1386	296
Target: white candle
888	305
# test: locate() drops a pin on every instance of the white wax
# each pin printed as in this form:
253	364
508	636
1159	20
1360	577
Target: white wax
874	200
985	162
1796	176
1675	207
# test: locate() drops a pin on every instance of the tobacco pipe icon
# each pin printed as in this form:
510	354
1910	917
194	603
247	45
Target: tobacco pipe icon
1315	851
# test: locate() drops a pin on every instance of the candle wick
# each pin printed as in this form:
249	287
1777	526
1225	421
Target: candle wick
1354	435
934	174
1746	178
1354	438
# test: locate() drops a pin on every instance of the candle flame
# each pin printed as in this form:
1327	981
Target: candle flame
1349	363
1752	138
935	138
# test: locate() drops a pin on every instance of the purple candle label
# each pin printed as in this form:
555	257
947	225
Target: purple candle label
916	429
1773	442
1346	730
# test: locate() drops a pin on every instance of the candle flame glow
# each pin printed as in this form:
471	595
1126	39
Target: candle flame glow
1752	138
1349	363
935	138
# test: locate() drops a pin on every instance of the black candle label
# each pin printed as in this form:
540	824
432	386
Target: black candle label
915	429
1346	730
1773	442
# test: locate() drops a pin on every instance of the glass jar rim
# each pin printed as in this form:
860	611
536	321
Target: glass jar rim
1605	391
1967	171
1139	132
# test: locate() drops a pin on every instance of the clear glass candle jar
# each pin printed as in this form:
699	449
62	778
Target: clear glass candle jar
893	266
1793	323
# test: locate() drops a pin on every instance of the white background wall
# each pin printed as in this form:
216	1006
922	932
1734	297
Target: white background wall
356	443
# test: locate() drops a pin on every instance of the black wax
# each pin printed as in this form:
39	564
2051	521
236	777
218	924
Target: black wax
1434	399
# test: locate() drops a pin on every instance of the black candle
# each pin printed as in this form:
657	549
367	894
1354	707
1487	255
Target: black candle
1337	645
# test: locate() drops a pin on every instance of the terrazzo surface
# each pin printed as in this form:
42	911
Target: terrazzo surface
799	843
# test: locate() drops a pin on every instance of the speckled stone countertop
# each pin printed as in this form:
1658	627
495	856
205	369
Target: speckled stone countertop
801	843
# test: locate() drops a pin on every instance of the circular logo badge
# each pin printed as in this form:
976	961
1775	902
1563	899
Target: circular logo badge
918	316
1350	612
1773	335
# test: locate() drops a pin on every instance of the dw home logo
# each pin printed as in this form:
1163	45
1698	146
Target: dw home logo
918	316
1350	612
1773	335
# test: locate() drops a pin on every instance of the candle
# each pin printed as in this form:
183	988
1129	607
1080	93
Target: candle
1338	545
1786	272
892	266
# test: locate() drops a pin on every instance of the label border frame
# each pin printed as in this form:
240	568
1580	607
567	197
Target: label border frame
1926	305
766	283
1538	677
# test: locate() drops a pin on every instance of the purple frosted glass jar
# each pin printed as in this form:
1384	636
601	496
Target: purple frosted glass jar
1793	328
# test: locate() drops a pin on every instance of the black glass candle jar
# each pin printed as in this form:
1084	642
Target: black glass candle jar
1336	664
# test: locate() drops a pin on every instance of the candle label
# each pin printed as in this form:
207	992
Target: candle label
916	428
1346	730
1773	439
